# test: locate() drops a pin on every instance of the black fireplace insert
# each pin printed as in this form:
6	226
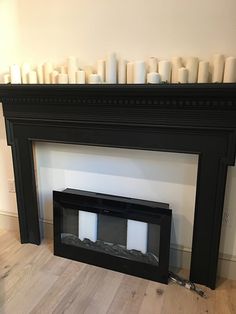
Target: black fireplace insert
123	234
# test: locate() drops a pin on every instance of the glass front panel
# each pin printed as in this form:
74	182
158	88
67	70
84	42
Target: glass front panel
126	238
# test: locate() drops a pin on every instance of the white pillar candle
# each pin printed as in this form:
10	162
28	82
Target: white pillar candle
62	78
137	235
32	77
6	78
54	77
47	70
72	69
165	70
111	69
101	69
139	72
25	69
230	70
218	68
153	78
15	74
176	65
152	64
183	75
39	70
122	71
130	72
88	69
192	67
203	72
80	77
87	226
94	79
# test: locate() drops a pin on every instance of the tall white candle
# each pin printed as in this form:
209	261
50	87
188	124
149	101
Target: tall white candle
40	75
32	77
152	64
176	65
6	78
139	72
47	70
230	70
122	71
15	74
218	68
111	69
183	75
101	69
80	77
203	72
192	67
25	69
87	226
153	78
137	235
94	79
54	77
62	78
130	72
165	70
72	69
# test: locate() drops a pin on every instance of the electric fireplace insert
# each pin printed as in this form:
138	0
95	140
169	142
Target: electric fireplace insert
123	234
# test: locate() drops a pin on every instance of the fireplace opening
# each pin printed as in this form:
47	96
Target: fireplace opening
123	234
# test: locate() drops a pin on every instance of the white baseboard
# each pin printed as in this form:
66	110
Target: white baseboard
179	256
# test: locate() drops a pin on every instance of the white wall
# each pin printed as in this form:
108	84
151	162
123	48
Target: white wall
39	30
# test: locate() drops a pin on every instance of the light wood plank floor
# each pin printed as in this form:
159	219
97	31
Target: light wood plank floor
32	280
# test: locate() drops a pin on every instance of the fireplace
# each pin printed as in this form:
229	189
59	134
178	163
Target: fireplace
124	234
193	118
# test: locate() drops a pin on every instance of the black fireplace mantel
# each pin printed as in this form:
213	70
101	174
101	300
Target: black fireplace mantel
192	118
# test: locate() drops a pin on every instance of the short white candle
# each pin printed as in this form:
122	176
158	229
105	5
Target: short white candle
62	78
203	72
88	69
137	235
165	70
32	77
94	79
218	68
139	72
87	226
192	67
230	70
15	74
183	75
80	77
153	78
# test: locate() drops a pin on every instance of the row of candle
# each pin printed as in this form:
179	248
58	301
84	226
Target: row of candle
112	71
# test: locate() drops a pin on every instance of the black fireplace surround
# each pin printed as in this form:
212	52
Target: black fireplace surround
185	118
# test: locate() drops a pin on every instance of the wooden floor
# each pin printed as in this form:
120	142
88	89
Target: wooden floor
32	280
